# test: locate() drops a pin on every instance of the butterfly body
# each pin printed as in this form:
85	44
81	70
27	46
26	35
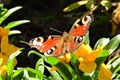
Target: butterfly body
57	45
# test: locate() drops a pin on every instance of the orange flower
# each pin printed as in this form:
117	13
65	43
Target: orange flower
104	73
87	57
3	68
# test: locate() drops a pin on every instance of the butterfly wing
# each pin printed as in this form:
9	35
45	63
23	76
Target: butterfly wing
81	26
50	47
78	30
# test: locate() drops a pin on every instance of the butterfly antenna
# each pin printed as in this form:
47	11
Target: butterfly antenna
25	42
56	30
69	21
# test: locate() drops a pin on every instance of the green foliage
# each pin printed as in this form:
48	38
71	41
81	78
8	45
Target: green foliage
74	6
5	13
88	4
113	44
15	23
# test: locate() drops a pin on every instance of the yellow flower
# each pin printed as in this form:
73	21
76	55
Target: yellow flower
53	68
104	73
87	57
4	32
6	49
66	58
3	68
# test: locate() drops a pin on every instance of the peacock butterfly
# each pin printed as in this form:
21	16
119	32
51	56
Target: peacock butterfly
56	45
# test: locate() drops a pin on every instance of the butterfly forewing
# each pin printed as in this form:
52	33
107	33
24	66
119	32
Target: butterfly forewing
81	25
51	46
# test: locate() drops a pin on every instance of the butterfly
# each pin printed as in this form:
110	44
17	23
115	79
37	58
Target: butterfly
57	45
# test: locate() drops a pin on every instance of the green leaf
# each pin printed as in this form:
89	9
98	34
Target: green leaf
114	66
111	61
117	77
72	72
40	65
64	72
87	39
12	32
113	44
15	23
75	63
106	3
52	60
37	53
10	62
101	42
61	68
27	76
90	4
102	57
74	6
86	77
2	10
32	72
1	78
8	13
18	74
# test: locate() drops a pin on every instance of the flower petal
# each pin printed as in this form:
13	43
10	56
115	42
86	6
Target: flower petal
11	49
66	58
6	48
105	73
5	59
4	45
87	66
4	32
83	51
53	68
3	70
93	55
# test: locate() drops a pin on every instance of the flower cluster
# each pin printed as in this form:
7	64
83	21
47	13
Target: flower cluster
87	57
